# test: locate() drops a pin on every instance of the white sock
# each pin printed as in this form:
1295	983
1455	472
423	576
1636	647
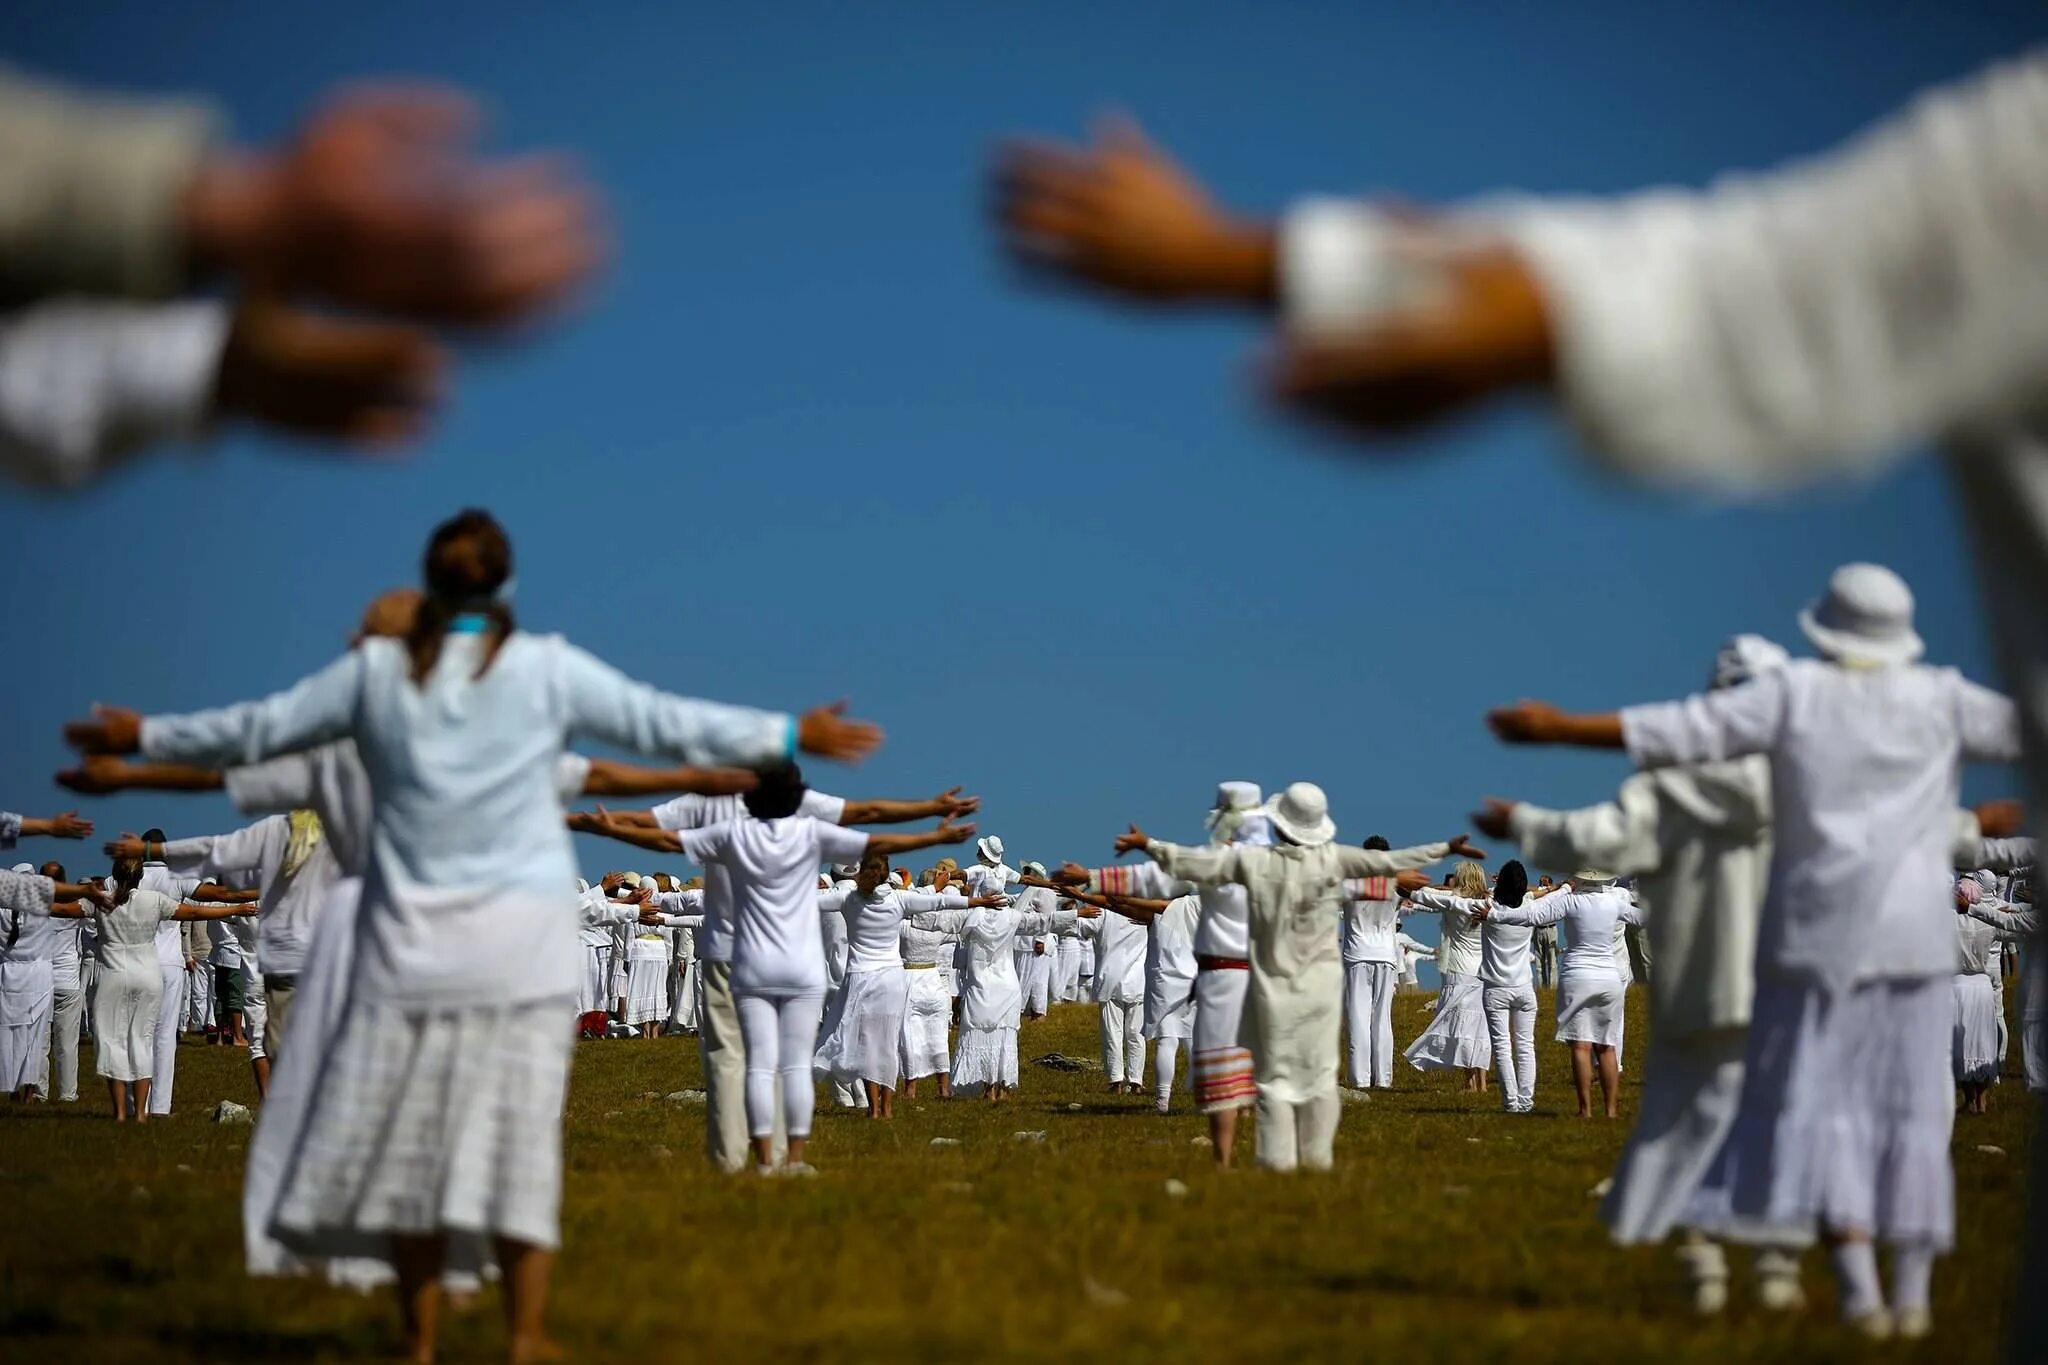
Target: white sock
1912	1274
1855	1266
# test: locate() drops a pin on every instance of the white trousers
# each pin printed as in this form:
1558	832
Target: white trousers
1123	1042
1036	982
163	1070
1165	1058
1511	1026
1298	1135
724	1051
781	1038
68	1012
2034	1034
1369	1017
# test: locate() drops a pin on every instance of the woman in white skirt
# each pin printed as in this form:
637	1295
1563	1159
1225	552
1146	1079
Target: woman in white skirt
1847	1098
28	998
778	964
438	1110
128	981
865	1044
1974	1046
648	968
1456	1039
990	1001
928	1006
1589	990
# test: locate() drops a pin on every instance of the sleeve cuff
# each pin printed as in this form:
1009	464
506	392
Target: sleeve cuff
1344	264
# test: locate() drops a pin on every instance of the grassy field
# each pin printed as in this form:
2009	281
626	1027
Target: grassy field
1448	1231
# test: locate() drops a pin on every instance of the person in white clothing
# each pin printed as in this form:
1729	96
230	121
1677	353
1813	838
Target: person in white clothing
1456	1039
1120	943
719	1037
1974	1046
1372	966
865	1045
928	1003
70	989
1589	993
1509	992
778	965
437	1125
1699	839
991	1002
1843	1127
1295	1001
1414	952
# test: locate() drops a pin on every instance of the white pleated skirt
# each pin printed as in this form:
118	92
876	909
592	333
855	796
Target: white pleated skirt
1847	1105
927	1017
1974	1050
1457	1036
428	1122
1589	1009
125	1006
987	1056
647	987
865	1043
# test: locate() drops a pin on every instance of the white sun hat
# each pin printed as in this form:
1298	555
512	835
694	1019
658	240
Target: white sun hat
1866	616
1035	869
1302	814
1593	876
990	847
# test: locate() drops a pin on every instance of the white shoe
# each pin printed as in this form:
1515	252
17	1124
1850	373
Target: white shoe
1780	1294
1913	1323
1162	1106
1709	1297
1874	1325
800	1170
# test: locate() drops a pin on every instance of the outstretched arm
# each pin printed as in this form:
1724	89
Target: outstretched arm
604	823
189	911
1368	862
64	826
947	805
316	709
104	774
610	777
945	834
1538	722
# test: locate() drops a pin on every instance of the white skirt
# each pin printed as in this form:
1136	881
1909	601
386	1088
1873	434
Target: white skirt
927	1016
987	1056
1690	1092
1589	1010
1221	1065
1457	1036
865	1043
593	991
1847	1106
27	999
1974	1055
647	987
125	1006
1170	1009
427	1122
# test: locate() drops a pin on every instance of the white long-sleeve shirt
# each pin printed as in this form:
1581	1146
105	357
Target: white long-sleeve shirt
1865	777
470	882
778	947
1459	947
1699	838
874	924
1372	918
289	904
694	810
1594	920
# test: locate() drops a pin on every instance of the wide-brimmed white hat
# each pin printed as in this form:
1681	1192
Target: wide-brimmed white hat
1865	616
1302	814
990	847
1035	869
1593	876
846	872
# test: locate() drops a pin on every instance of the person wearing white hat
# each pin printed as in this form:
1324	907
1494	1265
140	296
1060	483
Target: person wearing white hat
1698	836
1295	1002
1974	1056
1843	1125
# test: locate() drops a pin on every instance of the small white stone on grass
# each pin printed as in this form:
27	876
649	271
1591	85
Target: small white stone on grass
1600	1190
1989	1150
1103	1295
227	1111
945	1142
685	1097
1034	1135
1176	1189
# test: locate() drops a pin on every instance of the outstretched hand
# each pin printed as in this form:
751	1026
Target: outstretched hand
1132	840
1526	722
2001	819
1120	215
127	846
826	732
111	730
950	833
1071	874
328	377
1463	847
952	804
67	825
1494	817
95	775
1410	882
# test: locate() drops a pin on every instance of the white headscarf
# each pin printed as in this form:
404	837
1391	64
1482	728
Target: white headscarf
1235	803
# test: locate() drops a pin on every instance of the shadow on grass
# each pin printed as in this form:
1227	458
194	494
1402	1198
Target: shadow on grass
242	1341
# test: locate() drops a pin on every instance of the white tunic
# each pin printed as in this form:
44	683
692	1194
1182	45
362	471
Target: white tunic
990	997
1458	949
285	925
1865	778
771	868
693	810
467	898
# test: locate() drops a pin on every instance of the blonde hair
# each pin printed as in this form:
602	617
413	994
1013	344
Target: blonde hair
1469	881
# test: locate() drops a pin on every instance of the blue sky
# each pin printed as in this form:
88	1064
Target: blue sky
809	439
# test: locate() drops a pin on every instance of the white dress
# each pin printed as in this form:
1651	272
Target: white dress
865	1041
991	1002
1974	1047
29	944
1457	1036
128	985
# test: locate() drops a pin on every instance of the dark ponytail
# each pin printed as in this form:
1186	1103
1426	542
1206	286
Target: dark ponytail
467	564
1512	885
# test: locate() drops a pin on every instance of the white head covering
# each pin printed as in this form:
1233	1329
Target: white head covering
25	867
1743	657
990	847
649	884
1866	616
1035	869
900	878
1302	815
846	872
1234	800
1593	878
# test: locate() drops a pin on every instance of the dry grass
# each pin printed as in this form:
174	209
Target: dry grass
1448	1231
